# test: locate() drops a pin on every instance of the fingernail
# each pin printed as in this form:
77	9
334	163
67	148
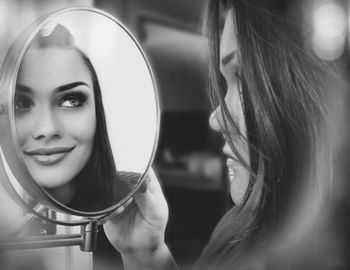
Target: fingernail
128	202
120	210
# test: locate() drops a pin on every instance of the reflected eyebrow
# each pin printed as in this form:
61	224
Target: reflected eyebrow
62	88
69	86
228	58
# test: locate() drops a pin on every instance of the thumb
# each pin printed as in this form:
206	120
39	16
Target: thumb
150	199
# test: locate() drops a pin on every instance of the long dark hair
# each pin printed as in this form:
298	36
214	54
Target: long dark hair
94	185
284	103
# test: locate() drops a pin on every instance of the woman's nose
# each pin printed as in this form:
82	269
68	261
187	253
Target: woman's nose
215	120
46	126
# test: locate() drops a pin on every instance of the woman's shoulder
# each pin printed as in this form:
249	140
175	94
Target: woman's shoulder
227	233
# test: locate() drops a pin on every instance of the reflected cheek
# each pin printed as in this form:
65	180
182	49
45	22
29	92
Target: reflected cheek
80	126
24	127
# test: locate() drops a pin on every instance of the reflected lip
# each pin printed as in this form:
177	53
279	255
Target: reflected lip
49	156
49	151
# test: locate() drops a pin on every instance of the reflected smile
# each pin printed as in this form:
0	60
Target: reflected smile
49	156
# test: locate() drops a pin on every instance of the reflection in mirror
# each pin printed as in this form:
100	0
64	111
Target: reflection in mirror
60	122
68	126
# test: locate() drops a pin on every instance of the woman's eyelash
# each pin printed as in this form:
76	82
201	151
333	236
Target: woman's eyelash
73	100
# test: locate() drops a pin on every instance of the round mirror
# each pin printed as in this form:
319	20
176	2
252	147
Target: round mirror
80	106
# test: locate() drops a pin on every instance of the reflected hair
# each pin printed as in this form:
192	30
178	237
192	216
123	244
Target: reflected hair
284	102
94	185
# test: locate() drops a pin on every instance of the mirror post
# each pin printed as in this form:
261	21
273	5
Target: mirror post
87	240
89	234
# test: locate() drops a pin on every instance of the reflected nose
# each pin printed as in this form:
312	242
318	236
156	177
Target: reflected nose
215	119
46	126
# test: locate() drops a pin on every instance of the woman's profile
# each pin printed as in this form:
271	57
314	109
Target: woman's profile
270	105
60	123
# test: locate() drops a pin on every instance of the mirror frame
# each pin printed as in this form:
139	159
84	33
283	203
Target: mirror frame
8	77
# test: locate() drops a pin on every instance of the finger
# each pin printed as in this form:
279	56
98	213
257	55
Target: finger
151	201
143	186
123	207
152	183
118	212
149	183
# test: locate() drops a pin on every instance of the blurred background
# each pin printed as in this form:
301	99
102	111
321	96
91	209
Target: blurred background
188	160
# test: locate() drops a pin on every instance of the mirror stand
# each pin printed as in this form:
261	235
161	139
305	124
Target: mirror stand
87	240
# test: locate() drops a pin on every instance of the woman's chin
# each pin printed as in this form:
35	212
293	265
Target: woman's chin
237	198
238	185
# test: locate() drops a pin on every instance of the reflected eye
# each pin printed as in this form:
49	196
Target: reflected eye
22	102
73	100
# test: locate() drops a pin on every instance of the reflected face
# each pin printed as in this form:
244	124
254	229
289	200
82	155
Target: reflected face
54	114
229	68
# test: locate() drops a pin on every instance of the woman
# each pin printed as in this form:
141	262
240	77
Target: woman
60	123
269	105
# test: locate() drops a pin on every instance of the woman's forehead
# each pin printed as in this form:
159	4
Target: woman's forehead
50	67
